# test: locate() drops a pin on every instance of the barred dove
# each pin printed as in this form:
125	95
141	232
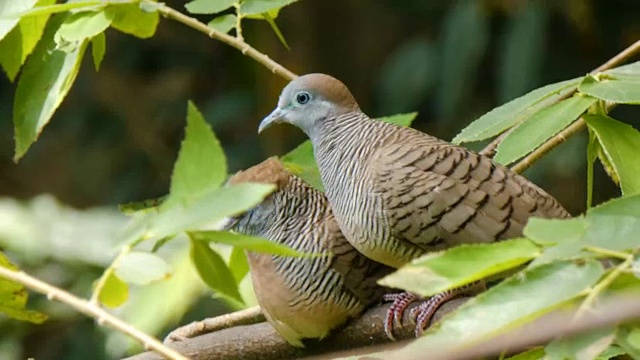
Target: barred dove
398	193
304	297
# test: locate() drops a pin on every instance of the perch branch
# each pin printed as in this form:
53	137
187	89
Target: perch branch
260	341
90	309
236	42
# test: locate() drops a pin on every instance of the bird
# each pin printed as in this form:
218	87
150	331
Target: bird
398	193
303	297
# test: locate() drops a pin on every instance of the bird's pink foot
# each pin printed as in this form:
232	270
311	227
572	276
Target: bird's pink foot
423	313
396	310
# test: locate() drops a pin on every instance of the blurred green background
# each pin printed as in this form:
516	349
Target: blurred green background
115	137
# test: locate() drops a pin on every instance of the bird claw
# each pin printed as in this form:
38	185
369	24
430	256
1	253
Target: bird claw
396	310
422	314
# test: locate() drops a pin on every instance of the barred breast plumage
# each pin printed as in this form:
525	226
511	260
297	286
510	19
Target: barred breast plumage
304	297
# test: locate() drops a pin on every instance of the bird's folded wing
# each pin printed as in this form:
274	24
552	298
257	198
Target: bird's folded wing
442	193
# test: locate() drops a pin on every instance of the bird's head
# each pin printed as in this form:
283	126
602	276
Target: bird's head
306	101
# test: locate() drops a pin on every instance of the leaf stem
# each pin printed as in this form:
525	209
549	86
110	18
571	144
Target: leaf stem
90	309
607	252
603	284
238	26
236	42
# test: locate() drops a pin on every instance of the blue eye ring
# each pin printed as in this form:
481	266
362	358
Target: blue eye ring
303	97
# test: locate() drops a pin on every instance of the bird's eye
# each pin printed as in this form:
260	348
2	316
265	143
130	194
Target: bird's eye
303	98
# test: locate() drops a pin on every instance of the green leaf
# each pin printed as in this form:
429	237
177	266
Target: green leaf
621	145
562	238
256	7
58	8
553	231
84	25
540	127
98	48
464	40
301	162
613	225
46	79
144	205
115	292
9	14
224	23
245	242
626	282
176	217
268	18
21	41
13	297
400	119
515	111
533	354
142	268
208	6
213	270
512	303
583	346
132	20
171	298
439	271
238	264
630	71
628	337
201	164
620	91
523	51
611	352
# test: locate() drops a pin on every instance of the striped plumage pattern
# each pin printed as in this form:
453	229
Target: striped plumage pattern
398	193
304	297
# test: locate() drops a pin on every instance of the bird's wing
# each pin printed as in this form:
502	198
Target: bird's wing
434	192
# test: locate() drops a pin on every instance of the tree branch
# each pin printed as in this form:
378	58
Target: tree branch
562	136
237	43
91	310
260	341
578	124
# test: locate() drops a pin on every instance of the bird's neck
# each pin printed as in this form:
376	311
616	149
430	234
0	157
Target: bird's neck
339	143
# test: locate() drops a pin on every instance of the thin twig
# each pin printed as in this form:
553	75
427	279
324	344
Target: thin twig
238	25
607	253
248	316
579	124
602	285
237	43
90	309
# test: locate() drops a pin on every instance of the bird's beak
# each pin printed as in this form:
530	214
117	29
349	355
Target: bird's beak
275	117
